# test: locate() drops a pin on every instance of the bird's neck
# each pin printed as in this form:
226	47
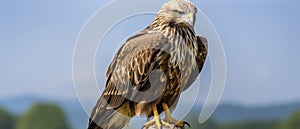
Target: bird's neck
178	35
169	28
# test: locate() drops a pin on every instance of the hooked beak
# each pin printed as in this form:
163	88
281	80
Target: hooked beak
188	18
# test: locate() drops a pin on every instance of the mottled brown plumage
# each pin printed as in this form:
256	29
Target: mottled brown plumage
152	68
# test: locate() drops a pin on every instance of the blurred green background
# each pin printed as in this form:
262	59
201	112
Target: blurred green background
51	116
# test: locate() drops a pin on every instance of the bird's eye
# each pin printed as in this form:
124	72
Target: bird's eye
177	11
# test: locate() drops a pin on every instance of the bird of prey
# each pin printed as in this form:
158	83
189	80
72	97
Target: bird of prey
151	69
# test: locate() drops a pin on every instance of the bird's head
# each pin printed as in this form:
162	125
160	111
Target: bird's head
181	12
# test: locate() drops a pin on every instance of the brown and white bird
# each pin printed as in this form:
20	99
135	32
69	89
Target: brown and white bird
151	69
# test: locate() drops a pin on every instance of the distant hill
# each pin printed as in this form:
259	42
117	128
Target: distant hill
72	108
20	104
233	113
225	113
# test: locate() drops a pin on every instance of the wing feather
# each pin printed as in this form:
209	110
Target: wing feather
200	59
131	66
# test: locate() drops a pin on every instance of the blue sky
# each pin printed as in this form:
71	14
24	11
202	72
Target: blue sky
260	39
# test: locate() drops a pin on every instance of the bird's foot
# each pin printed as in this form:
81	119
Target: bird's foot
156	121
179	124
171	120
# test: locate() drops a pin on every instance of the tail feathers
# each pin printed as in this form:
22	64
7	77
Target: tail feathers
110	119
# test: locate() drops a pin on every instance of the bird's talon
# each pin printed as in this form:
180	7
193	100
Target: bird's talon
186	123
182	124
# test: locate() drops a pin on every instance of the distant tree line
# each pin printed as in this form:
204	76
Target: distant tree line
49	116
39	116
293	122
